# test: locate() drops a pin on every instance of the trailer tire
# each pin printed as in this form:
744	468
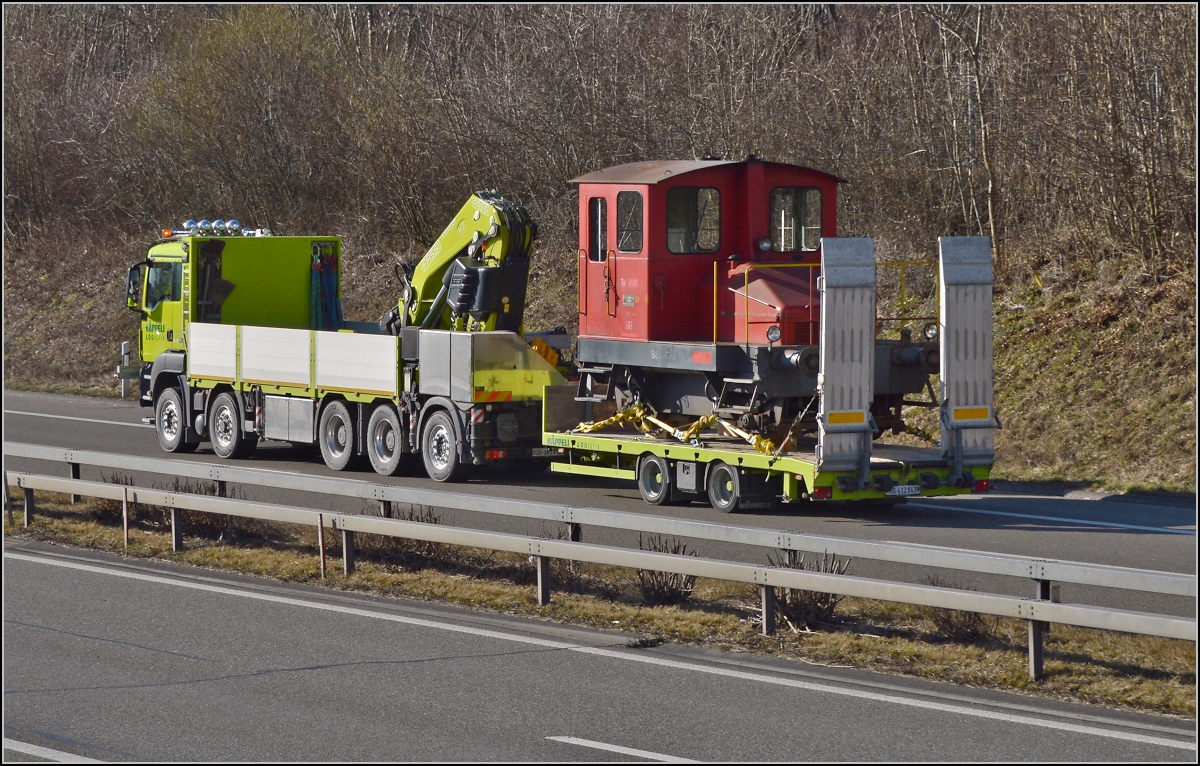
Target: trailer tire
654	480
335	434
439	449
385	441
170	422
225	428
724	487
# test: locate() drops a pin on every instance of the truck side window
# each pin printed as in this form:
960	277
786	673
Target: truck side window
693	219
795	218
597	229
164	281
629	221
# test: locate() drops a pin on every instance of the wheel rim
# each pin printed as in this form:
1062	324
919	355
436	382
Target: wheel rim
336	432
440	445
223	426
652	479
168	420
383	441
723	486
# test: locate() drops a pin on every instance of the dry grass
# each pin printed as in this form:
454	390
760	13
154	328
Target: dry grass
1114	669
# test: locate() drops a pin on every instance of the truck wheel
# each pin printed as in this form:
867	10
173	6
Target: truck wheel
654	480
724	489
439	449
336	435
225	427
169	422
385	444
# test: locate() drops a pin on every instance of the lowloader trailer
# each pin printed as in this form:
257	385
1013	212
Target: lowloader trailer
728	347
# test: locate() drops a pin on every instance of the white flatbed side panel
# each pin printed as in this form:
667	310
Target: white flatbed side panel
350	362
276	355
847	372
966	343
212	350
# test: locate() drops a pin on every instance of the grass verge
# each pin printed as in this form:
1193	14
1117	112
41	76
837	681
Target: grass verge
1138	673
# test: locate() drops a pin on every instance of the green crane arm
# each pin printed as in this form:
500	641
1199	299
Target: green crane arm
476	274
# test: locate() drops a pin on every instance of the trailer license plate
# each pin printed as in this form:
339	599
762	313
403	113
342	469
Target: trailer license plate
545	451
905	489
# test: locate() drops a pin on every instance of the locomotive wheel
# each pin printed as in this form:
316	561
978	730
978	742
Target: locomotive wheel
724	488
654	480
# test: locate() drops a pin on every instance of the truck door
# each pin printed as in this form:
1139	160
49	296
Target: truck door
162	327
598	293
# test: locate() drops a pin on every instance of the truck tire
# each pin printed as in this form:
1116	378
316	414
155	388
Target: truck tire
654	480
335	434
170	423
385	442
439	449
225	428
724	488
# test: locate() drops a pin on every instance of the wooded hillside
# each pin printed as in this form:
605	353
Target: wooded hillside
1066	133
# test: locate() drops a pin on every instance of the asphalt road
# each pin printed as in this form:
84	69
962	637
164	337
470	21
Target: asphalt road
1149	533
127	661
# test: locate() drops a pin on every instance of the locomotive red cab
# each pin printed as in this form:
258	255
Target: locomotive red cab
698	289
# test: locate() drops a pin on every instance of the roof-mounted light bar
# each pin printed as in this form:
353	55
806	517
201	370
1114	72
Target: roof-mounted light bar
217	228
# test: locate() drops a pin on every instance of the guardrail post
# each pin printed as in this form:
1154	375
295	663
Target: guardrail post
347	552
543	580
125	516
74	475
222	488
386	509
321	541
576	532
1038	630
29	507
768	610
176	530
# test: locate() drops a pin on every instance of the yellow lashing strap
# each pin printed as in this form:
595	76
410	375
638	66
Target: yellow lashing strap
634	415
761	445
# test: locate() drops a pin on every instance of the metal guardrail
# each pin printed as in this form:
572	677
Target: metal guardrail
763	576
1038	569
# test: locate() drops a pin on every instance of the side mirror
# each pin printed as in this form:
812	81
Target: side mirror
133	286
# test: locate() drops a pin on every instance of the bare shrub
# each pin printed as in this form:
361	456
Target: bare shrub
406	551
663	588
808	608
109	511
955	625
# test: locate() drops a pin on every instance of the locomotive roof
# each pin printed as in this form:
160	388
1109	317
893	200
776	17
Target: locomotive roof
654	171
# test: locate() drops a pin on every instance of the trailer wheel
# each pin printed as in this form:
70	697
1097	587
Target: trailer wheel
439	449
169	422
654	480
385	444
724	488
335	433
225	428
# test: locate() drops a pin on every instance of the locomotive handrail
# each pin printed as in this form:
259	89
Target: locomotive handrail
902	264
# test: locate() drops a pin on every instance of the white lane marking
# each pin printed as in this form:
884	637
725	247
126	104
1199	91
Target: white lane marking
1060	519
85	420
45	752
610	653
624	750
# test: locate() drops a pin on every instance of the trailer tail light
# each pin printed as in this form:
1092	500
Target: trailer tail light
822	493
496	454
983	485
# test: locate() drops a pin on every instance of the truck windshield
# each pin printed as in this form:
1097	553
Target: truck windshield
163	283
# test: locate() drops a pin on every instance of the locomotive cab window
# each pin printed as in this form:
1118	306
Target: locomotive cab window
795	219
629	222
597	229
693	219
